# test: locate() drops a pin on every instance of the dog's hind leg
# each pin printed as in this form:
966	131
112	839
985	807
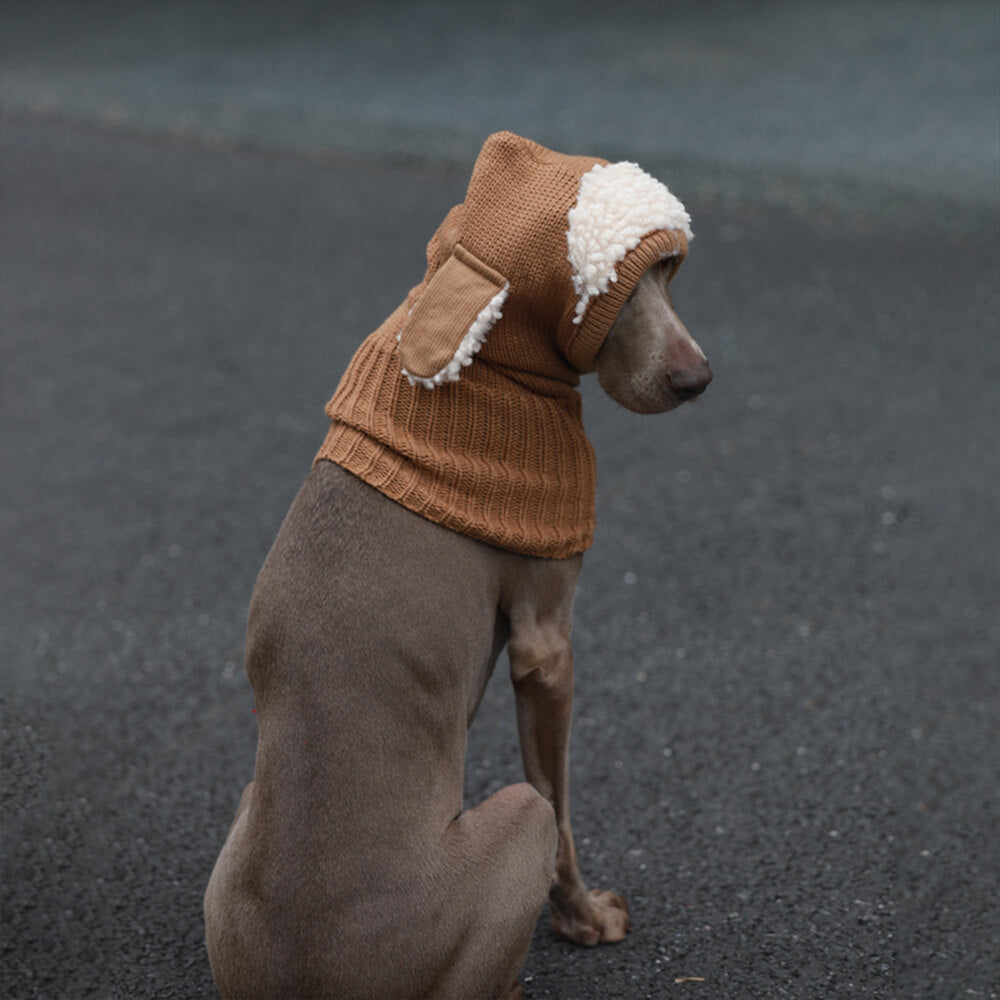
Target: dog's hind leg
501	855
223	935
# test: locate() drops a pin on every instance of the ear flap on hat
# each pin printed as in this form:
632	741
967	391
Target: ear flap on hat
449	321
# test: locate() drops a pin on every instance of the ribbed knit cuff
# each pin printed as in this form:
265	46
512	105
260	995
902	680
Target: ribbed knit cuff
392	476
581	343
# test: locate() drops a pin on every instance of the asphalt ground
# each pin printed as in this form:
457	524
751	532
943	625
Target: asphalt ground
786	736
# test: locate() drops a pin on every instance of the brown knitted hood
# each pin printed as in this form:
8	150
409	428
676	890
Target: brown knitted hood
462	405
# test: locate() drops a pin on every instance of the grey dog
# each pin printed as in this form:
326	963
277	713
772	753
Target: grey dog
351	869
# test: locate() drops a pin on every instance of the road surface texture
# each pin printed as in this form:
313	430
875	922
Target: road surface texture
787	632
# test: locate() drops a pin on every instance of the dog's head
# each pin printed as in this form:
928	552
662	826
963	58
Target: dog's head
649	363
555	266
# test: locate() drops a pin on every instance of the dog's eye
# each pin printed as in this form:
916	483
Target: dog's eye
667	267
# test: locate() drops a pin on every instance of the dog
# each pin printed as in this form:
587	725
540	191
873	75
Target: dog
351	869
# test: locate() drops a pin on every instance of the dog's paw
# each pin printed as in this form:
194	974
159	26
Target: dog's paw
600	917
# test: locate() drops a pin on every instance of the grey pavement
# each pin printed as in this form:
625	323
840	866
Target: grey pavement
786	736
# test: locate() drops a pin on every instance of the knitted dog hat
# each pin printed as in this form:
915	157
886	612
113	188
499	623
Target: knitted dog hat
462	406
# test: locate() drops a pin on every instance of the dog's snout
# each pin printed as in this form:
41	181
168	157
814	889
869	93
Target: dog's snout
690	382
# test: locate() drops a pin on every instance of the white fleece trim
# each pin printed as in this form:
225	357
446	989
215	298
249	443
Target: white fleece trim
470	345
617	205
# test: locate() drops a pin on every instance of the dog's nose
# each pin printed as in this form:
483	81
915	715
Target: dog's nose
690	382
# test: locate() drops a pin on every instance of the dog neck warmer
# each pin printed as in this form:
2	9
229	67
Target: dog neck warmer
462	405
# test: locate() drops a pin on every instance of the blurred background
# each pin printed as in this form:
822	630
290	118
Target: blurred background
775	101
786	636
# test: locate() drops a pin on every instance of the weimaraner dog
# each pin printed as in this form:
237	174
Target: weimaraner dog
351	869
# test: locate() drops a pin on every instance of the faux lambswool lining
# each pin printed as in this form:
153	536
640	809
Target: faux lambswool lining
482	431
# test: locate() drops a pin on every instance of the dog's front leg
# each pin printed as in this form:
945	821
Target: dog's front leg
541	658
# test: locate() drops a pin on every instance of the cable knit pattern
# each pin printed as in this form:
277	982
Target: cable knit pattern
500	454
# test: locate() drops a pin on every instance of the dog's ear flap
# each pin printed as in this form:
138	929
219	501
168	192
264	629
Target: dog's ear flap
449	321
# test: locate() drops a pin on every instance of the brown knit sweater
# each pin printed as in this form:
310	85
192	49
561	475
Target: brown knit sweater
462	405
